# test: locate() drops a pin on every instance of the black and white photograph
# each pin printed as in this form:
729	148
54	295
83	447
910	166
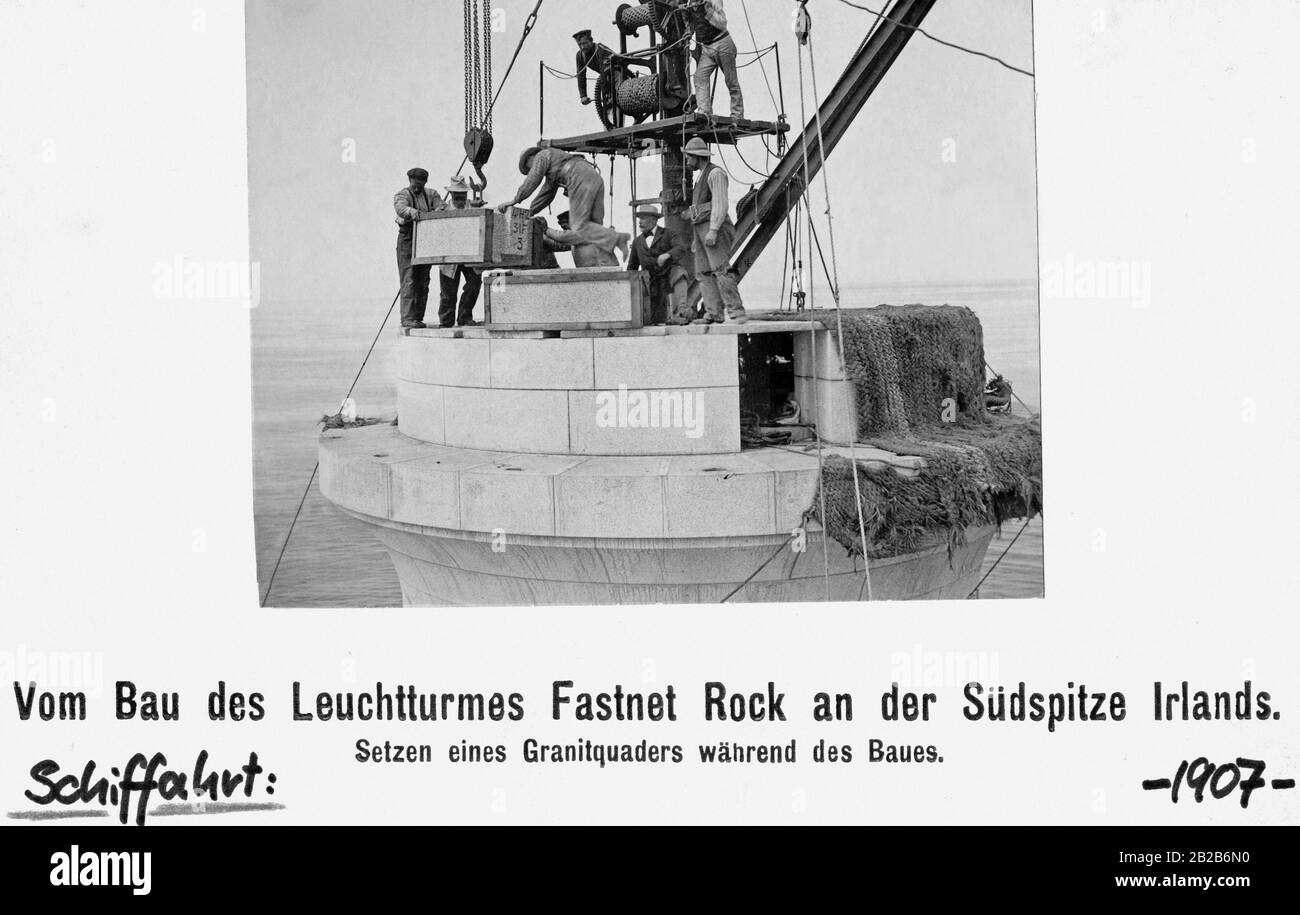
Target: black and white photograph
693	304
582	413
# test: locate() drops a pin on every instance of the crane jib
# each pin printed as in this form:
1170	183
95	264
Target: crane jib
760	223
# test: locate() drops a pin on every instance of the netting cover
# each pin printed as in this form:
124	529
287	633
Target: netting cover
918	375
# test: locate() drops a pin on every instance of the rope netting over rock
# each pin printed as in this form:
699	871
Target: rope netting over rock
918	377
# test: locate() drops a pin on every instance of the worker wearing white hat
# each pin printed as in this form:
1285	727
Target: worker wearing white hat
450	275
715	236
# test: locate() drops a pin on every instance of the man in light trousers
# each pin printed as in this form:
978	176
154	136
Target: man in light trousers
715	236
715	50
553	170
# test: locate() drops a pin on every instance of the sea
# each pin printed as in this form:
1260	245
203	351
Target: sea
306	354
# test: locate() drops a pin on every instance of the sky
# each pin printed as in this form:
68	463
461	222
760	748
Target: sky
933	183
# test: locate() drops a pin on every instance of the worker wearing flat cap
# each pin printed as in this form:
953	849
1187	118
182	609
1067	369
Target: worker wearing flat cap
551	170
413	203
591	56
661	251
715	236
450	275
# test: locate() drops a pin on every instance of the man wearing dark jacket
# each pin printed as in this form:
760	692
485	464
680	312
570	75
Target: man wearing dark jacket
663	254
591	56
411	204
548	247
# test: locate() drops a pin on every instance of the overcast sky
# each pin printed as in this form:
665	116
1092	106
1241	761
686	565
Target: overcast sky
345	95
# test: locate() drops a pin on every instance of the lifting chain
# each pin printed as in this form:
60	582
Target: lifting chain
478	67
469	98
487	64
478	87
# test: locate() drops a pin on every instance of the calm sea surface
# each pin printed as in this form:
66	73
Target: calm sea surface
304	358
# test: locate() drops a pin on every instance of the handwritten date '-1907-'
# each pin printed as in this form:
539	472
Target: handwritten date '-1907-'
1200	775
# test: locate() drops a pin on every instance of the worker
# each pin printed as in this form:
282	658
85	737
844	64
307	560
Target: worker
549	246
413	203
714	50
997	395
591	56
662	253
450	275
715	236
593	242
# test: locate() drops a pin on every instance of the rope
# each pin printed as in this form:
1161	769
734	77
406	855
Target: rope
835	284
528	27
669	47
831	228
999	559
821	483
796	263
754	41
736	146
754	573
917	28
284	546
880	17
786	260
835	294
821	256
1013	390
757	60
636	195
559	73
686	172
780	143
721	155
797	280
270	583
723	165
